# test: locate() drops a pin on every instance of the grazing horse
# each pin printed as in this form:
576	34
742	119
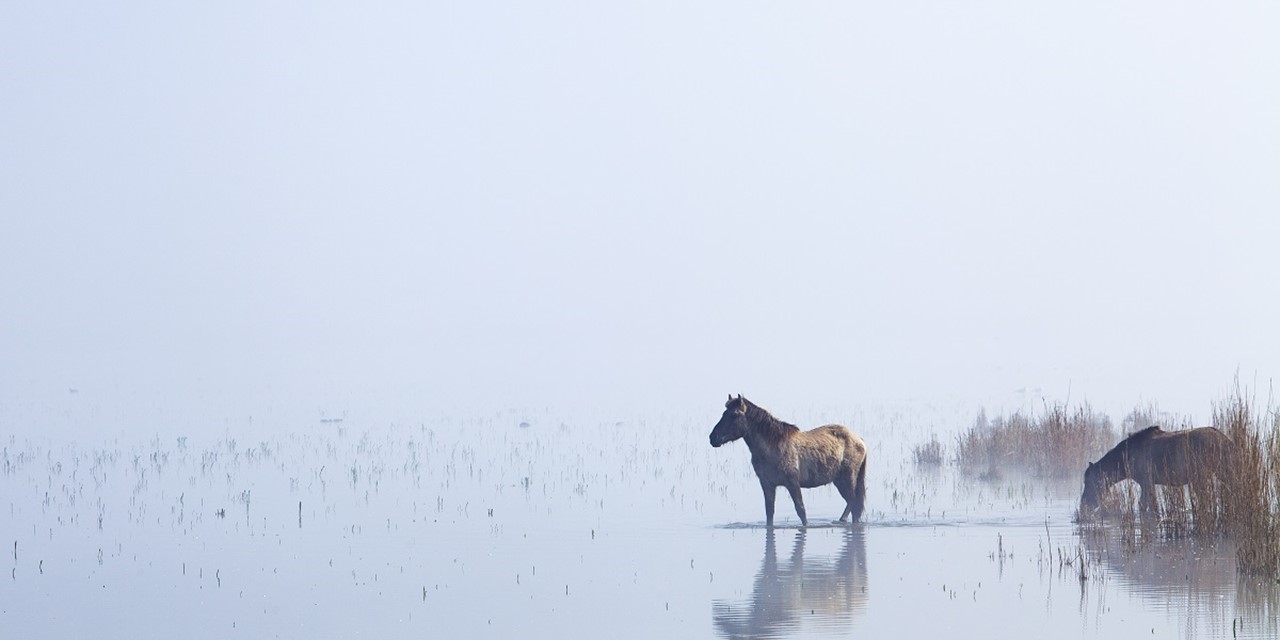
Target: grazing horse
1153	456
784	455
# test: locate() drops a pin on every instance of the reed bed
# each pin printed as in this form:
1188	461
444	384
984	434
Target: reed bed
1250	494
928	454
1057	444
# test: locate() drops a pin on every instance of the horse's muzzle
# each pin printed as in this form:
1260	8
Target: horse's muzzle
714	442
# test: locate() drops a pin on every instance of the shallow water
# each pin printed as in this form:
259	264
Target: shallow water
485	528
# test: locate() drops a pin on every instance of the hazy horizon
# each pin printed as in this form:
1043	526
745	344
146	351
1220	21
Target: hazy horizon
475	207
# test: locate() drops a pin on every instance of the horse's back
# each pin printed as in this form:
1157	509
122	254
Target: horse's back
1211	436
1172	456
824	453
1214	443
1200	439
838	442
839	433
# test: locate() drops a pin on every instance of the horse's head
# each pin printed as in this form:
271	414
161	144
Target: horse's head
733	423
1093	482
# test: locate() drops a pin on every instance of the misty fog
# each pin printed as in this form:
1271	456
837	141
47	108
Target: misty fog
211	212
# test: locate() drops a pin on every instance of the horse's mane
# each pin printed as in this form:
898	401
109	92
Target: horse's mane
1115	456
772	426
1139	436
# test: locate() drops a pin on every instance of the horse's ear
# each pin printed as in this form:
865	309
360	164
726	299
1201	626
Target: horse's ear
729	400
1089	467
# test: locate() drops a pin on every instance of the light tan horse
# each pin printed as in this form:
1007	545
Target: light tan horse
783	455
1154	456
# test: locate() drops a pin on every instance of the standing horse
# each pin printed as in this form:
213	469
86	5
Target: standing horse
1153	456
784	455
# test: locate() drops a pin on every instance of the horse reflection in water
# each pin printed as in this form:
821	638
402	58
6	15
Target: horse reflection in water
826	591
1195	579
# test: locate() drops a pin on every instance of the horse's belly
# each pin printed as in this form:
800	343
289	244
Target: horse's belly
823	458
815	473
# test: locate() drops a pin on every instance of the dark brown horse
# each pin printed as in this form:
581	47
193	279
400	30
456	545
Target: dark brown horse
784	455
1153	456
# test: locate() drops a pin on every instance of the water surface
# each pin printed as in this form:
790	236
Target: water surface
619	527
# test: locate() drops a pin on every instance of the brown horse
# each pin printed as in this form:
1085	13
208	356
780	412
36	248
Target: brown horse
784	455
1153	456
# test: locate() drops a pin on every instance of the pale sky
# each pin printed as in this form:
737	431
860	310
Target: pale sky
472	206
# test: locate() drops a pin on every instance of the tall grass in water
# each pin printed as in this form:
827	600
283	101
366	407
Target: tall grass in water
1241	501
1251	502
1057	444
928	454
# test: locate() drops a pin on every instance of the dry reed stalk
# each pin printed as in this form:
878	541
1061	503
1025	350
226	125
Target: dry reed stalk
1250	507
1057	444
928	454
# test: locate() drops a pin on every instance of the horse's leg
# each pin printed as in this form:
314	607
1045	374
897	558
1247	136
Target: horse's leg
845	485
794	490
770	492
1148	503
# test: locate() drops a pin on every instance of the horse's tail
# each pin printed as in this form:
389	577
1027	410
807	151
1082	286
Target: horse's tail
859	491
